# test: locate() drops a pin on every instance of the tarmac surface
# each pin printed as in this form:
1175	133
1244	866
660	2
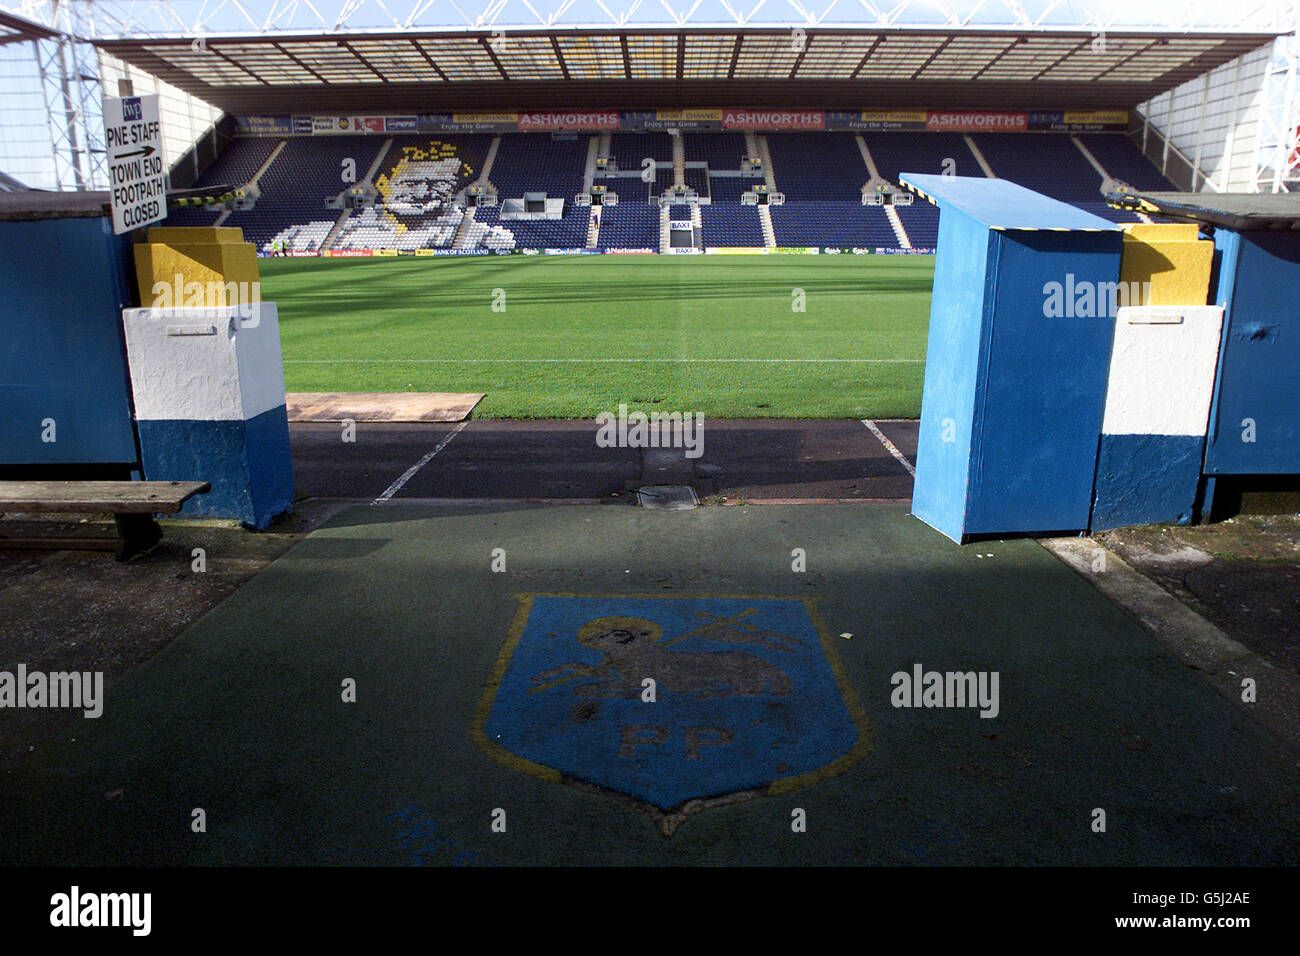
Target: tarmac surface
464	678
761	459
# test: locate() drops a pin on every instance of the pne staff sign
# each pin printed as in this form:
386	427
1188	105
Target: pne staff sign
137	176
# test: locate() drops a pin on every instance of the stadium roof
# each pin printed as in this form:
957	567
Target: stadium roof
10	185
609	67
15	28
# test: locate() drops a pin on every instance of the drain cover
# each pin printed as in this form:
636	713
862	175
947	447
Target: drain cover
667	497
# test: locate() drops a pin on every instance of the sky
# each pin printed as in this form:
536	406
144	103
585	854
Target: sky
180	16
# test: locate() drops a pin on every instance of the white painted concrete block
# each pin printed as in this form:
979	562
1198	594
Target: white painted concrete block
1162	370
204	364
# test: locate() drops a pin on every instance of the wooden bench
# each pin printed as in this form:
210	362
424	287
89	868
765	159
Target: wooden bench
132	504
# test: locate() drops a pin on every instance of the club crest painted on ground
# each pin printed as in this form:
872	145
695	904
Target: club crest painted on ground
672	704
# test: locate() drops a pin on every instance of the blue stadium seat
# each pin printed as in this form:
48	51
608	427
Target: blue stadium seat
532	162
629	225
817	166
1050	164
731	224
303	177
720	150
831	222
241	158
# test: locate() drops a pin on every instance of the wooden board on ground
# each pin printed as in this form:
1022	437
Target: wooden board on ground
381	406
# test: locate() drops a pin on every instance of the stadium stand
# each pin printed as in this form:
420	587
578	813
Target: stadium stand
697	178
295	188
921	221
417	184
820	166
728	189
1045	163
822	176
831	222
531	163
528	162
569	232
629	225
470	148
731	224
722	151
236	165
726	222
1124	161
630	148
1049	164
238	162
486	232
420	178
897	153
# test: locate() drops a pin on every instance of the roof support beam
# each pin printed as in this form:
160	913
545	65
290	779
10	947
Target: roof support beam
1006	64
363	61
236	64
1062	58
281	49
798	60
994	59
559	57
866	57
1114	66
487	48
428	59
930	59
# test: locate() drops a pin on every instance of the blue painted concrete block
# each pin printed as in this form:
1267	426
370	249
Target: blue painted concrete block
952	370
1146	479
1014	388
63	358
1255	415
210	406
247	463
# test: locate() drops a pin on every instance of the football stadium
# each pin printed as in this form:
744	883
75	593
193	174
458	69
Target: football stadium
500	178
629	434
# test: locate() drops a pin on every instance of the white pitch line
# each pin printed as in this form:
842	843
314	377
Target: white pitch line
890	446
407	475
556	361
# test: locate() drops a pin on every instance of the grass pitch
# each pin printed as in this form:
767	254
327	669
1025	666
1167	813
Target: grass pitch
571	336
